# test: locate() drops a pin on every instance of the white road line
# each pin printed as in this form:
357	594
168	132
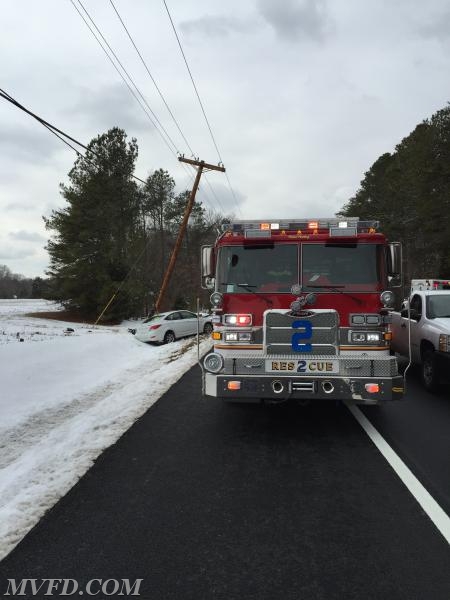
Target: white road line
424	498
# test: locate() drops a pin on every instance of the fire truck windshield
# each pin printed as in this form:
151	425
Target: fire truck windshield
352	267
257	268
274	268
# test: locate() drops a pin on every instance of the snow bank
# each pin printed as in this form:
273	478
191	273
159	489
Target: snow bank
65	397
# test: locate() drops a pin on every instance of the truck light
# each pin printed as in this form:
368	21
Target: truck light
365	336
444	342
213	362
362	319
238	336
372	388
238	320
373	337
234	385
387	335
373	319
216	335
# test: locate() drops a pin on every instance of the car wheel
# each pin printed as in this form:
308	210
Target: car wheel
169	337
208	328
430	376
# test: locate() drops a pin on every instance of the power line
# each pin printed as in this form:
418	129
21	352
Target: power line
151	77
193	82
53	129
200	102
162	97
172	149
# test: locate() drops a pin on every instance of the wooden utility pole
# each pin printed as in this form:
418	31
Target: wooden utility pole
201	166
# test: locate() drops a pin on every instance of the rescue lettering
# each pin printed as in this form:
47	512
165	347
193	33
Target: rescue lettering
320	366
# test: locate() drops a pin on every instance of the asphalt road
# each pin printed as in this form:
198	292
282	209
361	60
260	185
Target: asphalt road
210	501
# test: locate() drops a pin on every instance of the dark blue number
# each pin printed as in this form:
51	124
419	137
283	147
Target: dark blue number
306	334
301	367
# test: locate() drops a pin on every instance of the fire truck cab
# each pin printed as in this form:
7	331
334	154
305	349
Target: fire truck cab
301	311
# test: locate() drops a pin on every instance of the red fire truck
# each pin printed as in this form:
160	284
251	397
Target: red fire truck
301	311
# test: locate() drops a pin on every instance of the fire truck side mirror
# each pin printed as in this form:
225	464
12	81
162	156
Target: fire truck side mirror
207	264
394	260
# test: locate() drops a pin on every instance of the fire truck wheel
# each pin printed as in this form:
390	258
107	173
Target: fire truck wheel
169	337
430	376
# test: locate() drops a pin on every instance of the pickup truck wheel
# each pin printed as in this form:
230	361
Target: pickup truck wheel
430	376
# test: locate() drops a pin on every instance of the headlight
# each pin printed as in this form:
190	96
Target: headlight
213	362
238	336
362	337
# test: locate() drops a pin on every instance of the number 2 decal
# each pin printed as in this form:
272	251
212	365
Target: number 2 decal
306	334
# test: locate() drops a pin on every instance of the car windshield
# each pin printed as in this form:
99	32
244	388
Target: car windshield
340	266
257	268
438	306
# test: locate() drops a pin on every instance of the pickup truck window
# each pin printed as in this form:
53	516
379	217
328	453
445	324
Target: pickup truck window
416	307
438	306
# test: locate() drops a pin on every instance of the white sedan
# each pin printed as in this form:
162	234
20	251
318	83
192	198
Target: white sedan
166	327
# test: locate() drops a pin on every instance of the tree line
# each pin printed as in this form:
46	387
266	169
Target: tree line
408	191
13	285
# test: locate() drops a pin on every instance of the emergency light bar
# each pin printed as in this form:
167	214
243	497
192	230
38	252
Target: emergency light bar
336	227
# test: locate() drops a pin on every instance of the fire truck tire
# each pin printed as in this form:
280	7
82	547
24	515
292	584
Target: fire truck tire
430	375
169	337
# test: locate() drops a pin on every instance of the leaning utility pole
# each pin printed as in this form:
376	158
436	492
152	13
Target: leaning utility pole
202	166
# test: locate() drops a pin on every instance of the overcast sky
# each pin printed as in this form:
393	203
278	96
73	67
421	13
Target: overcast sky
302	97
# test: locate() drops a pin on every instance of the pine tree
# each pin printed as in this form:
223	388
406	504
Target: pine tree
93	244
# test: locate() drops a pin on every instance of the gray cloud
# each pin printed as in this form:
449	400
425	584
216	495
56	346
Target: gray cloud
218	26
26	236
110	106
8	253
19	207
28	145
296	20
438	28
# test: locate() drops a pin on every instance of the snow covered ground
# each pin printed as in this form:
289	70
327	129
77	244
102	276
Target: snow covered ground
64	398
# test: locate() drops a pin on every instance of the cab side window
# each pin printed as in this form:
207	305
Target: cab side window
416	307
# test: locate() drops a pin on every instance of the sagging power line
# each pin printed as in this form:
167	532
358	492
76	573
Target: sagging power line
55	130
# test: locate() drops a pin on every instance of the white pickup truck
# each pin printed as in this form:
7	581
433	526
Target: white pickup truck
421	331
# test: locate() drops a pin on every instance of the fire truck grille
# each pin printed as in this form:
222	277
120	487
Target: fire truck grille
348	367
322	333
